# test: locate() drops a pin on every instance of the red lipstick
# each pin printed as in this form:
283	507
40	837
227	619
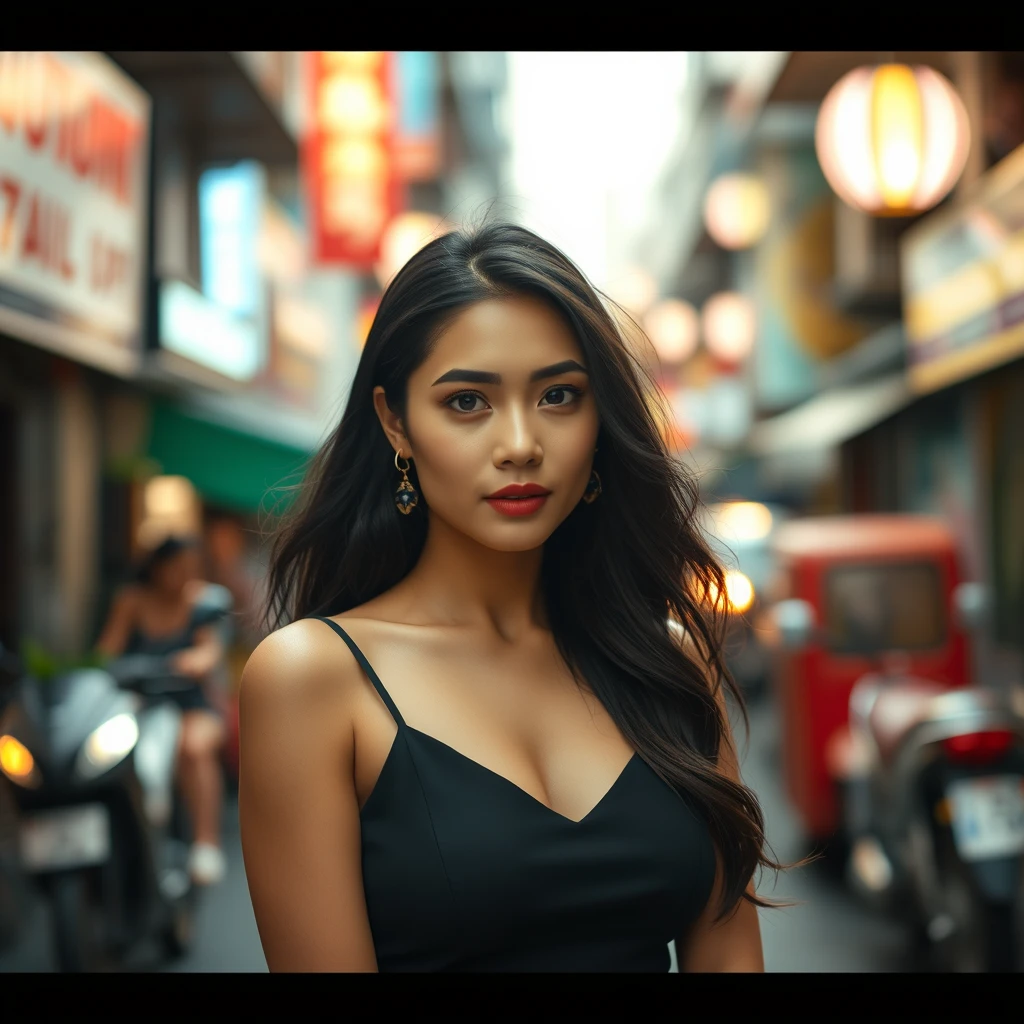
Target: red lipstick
518	499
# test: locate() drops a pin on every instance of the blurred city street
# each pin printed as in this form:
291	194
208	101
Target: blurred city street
807	306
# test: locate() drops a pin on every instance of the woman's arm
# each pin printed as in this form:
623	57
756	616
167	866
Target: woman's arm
199	660
297	803
734	943
118	627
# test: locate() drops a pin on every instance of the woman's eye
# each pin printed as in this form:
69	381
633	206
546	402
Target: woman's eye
464	402
561	396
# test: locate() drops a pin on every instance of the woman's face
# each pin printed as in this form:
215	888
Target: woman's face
503	398
173	575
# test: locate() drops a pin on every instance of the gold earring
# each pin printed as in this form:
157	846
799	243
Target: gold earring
406	497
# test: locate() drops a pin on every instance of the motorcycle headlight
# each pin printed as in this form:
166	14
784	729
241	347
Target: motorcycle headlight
107	745
17	763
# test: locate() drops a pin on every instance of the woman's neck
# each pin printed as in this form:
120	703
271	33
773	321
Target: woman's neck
463	583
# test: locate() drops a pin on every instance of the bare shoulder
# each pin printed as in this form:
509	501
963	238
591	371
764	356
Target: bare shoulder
305	662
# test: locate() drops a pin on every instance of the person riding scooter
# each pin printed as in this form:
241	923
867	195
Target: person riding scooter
159	615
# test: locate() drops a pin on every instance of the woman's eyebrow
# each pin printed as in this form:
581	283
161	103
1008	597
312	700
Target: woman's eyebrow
485	377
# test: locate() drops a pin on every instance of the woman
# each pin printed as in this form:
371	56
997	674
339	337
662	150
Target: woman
158	615
478	745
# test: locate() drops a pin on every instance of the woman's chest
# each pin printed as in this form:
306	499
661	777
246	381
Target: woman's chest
465	870
523	719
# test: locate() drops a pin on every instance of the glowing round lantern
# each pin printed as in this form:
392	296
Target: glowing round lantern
673	327
736	211
729	326
403	238
892	140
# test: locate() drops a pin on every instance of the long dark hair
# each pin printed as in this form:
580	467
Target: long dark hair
613	572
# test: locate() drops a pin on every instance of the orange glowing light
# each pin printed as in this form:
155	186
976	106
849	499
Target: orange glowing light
738	597
15	759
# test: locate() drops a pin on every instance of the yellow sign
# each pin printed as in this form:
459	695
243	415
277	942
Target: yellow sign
963	283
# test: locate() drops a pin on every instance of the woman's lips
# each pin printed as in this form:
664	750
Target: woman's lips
517	506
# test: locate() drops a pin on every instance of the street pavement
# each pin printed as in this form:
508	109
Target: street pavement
827	930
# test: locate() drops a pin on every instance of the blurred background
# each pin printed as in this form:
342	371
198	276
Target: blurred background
825	249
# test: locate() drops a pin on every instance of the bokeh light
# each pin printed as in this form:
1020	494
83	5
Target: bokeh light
402	239
674	328
729	326
742	520
893	139
737	210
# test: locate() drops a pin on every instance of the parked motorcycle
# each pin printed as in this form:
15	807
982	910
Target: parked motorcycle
932	796
14	885
103	831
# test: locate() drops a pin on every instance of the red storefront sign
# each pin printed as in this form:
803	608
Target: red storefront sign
348	155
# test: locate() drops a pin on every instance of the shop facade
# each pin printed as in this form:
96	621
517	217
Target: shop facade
955	450
74	183
166	353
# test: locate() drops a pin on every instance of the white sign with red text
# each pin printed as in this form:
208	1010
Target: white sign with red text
74	142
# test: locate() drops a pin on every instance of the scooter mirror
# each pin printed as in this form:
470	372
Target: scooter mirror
794	620
970	602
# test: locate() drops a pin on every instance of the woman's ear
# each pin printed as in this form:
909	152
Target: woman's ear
392	423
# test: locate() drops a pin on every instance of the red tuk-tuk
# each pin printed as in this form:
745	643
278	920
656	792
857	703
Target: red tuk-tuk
874	587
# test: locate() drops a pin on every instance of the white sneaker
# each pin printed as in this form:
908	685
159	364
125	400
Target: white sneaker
206	864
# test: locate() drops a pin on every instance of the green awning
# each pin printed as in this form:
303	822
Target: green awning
227	467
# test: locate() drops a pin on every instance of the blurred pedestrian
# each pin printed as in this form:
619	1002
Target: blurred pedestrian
566	794
157	615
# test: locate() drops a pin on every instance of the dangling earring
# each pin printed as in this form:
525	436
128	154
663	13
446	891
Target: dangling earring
593	491
406	497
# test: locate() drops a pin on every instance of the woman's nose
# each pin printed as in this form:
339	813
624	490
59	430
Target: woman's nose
518	442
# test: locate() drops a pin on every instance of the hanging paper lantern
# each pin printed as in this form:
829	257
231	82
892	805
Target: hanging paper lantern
892	140
673	327
729	326
736	211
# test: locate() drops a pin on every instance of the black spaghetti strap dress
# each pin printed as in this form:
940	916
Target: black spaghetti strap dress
465	871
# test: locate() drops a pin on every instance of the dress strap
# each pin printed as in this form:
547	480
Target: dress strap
367	668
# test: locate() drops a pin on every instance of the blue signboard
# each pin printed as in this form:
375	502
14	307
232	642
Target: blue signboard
417	92
230	204
222	328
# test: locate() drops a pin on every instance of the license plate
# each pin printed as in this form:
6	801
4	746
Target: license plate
70	837
988	816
